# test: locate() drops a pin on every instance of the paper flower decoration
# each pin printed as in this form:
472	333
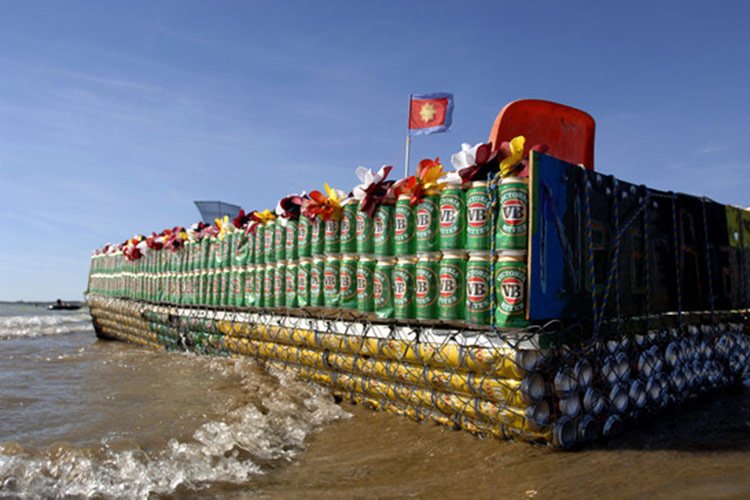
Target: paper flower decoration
290	207
373	188
327	206
176	238
242	219
416	186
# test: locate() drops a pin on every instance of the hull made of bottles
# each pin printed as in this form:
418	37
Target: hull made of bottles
507	388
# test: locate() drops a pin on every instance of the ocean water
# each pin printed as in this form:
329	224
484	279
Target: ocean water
88	418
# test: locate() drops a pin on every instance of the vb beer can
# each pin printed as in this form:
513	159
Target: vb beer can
304	237
279	284
404	227
269	251
428	215
269	278
260	277
404	306
317	237
249	287
332	237
331	277
365	241
243	249
452	218
510	288
348	281
317	297
303	283
291	284
382	285
477	222
291	239
348	227
452	286
279	240
226	286
382	232
238	287
427	285
513	224
365	276
478	282
260	245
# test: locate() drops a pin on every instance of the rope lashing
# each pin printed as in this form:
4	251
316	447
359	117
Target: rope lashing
742	257
493	207
708	259
647	258
678	271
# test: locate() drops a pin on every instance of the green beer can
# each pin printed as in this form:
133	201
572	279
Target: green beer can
478	226
382	287
348	281
348	227
249	287
332	237
290	286
365	241
365	276
452	286
428	224
404	306
317	237
317	266
279	240
239	258
510	288
279	284
259	244
382	233
202	287
513	223
404	227
478	282
226	286
269	250
303	283
238	287
452	218
291	239
427	284
232	240
331	278
304	237
260	277
215	287
269	275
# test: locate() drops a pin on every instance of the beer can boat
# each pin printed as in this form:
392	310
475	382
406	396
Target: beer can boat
550	303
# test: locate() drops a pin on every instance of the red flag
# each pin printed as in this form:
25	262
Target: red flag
430	113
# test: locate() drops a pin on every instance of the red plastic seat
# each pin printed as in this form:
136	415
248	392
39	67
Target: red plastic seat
568	132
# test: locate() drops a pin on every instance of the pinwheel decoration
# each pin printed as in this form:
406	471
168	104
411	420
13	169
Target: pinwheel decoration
327	206
373	188
416	186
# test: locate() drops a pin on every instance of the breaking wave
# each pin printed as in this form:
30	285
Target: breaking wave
45	324
275	414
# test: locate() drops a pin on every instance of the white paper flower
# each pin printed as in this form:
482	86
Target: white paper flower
367	178
466	157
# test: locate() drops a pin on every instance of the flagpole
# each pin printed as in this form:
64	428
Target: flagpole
408	151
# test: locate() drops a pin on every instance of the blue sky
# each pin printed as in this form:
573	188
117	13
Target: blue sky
115	116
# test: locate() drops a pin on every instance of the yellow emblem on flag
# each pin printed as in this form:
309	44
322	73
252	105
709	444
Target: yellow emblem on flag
427	112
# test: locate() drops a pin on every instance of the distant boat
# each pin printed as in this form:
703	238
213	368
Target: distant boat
59	305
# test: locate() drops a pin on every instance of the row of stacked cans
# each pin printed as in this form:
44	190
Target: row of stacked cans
449	219
443	270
